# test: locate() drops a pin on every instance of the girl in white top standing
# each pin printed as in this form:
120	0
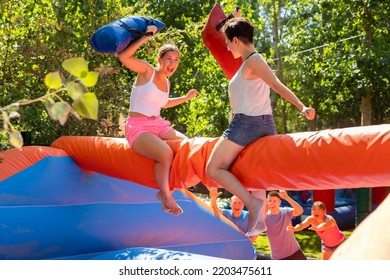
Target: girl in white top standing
145	130
252	119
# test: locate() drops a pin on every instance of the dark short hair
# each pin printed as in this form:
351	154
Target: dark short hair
167	48
240	28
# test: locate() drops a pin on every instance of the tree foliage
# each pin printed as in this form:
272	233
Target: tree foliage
335	55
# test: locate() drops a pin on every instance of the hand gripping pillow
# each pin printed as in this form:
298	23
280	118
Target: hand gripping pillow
117	35
214	40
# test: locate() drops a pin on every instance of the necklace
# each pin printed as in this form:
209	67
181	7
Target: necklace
252	53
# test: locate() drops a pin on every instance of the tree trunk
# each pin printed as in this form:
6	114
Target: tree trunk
278	57
364	195
366	107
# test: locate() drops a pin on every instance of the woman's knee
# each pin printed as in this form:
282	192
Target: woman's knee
165	156
210	170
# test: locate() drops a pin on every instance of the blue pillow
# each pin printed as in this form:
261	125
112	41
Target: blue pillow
117	35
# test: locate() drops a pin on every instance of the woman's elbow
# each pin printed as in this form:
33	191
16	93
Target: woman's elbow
298	212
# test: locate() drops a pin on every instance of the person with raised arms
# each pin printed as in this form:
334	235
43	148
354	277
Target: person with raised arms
252	119
284	245
145	130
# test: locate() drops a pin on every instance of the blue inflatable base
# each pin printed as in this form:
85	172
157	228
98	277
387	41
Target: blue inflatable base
141	253
53	210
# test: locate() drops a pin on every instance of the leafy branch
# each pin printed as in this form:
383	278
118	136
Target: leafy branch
84	103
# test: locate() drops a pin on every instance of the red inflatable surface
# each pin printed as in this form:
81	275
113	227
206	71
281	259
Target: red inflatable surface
330	159
215	41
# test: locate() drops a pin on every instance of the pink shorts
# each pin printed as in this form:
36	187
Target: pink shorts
134	127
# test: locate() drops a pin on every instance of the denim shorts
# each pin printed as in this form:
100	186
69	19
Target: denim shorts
244	129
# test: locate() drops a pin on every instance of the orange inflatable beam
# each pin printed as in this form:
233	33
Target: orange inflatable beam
329	159
215	41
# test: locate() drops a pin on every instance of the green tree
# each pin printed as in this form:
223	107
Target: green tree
329	61
333	54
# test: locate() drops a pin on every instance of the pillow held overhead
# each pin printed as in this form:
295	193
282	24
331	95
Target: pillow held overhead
117	35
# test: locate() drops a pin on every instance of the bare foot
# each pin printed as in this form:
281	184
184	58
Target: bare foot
257	230
260	226
169	205
255	214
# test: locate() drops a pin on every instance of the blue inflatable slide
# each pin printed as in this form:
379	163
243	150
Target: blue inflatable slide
50	208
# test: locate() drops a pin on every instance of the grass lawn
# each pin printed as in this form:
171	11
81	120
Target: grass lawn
310	243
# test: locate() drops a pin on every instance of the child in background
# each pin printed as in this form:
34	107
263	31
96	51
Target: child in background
237	215
325	226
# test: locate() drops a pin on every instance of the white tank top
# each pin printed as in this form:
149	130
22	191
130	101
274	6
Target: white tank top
148	98
249	97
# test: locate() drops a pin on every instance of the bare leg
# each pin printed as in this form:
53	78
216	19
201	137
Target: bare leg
153	147
222	156
260	226
326	254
